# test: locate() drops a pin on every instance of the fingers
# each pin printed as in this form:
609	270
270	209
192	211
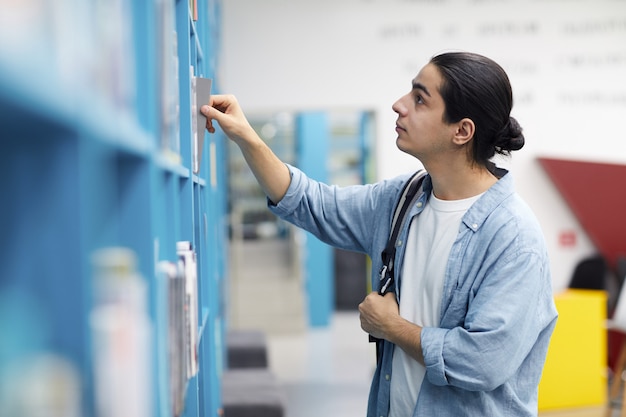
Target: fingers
209	112
367	313
375	310
222	101
219	106
225	110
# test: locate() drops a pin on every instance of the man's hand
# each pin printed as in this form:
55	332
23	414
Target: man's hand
271	173
380	317
376	313
226	111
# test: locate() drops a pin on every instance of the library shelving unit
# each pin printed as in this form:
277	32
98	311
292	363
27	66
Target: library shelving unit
97	125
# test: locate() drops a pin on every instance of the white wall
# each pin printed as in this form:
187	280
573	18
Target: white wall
566	60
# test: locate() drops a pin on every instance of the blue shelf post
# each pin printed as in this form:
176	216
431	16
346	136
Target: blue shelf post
312	136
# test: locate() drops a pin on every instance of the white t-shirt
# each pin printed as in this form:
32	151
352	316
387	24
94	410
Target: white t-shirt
429	241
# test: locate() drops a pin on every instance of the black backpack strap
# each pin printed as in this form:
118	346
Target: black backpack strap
407	199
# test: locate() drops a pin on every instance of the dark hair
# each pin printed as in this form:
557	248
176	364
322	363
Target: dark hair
476	87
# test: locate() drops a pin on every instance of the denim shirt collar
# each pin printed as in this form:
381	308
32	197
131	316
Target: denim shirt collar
478	213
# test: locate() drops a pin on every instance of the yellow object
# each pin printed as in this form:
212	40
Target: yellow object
575	373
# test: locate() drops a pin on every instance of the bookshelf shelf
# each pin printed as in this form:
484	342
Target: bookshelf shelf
96	129
18	91
170	163
27	102
199	180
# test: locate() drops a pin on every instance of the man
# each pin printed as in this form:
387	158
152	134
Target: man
467	324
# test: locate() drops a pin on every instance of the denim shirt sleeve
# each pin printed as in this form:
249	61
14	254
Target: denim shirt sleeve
501	326
353	218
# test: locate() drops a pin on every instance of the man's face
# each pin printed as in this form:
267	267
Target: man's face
420	125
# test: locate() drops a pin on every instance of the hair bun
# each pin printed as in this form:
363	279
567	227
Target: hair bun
510	137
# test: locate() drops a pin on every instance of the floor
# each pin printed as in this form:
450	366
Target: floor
265	286
323	371
327	371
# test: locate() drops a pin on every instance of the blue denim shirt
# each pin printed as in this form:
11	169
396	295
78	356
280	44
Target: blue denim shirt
497	314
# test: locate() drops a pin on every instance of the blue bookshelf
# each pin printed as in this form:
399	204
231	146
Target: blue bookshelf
97	153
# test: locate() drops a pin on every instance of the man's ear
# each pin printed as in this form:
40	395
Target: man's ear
465	129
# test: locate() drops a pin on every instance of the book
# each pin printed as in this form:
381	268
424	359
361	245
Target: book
177	336
168	83
202	94
187	258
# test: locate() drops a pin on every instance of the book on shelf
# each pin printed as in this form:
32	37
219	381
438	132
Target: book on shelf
121	334
201	94
177	352
169	83
193	9
115	60
187	258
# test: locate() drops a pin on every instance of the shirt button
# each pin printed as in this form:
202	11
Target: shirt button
399	243
474	226
387	377
419	204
